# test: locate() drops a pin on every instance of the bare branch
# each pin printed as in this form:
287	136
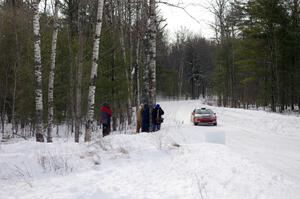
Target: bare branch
179	7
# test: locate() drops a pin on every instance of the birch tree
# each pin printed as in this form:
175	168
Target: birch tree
92	86
146	90
52	72
152	54
38	72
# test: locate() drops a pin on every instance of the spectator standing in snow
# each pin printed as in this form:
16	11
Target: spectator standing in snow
106	114
139	118
146	118
157	119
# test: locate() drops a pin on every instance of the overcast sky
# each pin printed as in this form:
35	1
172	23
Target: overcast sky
177	18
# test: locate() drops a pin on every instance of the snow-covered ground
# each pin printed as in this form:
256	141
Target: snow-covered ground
249	155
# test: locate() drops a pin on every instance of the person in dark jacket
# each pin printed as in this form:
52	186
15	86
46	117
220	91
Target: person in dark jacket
157	119
106	114
146	118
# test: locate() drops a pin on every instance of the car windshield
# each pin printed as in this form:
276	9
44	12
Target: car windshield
203	111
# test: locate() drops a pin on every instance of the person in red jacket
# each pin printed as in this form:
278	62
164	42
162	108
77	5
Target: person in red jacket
105	116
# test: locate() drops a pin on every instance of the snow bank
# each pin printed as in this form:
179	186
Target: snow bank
135	166
181	161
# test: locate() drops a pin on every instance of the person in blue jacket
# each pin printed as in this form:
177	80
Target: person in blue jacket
146	118
157	119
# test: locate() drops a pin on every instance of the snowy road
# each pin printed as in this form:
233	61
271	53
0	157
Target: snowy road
269	139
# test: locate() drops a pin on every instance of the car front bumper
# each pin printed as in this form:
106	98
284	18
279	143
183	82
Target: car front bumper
203	121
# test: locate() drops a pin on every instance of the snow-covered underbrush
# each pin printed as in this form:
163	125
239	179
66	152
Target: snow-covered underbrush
55	163
28	160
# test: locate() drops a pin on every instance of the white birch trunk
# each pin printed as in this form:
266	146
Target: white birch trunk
93	77
38	72
45	6
52	73
152	57
146	90
152	53
145	16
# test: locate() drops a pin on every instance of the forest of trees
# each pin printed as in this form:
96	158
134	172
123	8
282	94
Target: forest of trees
257	57
49	62
61	59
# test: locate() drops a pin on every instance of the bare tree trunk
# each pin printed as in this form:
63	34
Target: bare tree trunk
115	102
13	125
72	8
130	86
4	103
180	75
152	52
273	69
146	89
38	72
232	72
145	93
293	74
71	79
152	58
137	56
113	91
45	6
123	50
93	77
16	66
52	73
79	72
